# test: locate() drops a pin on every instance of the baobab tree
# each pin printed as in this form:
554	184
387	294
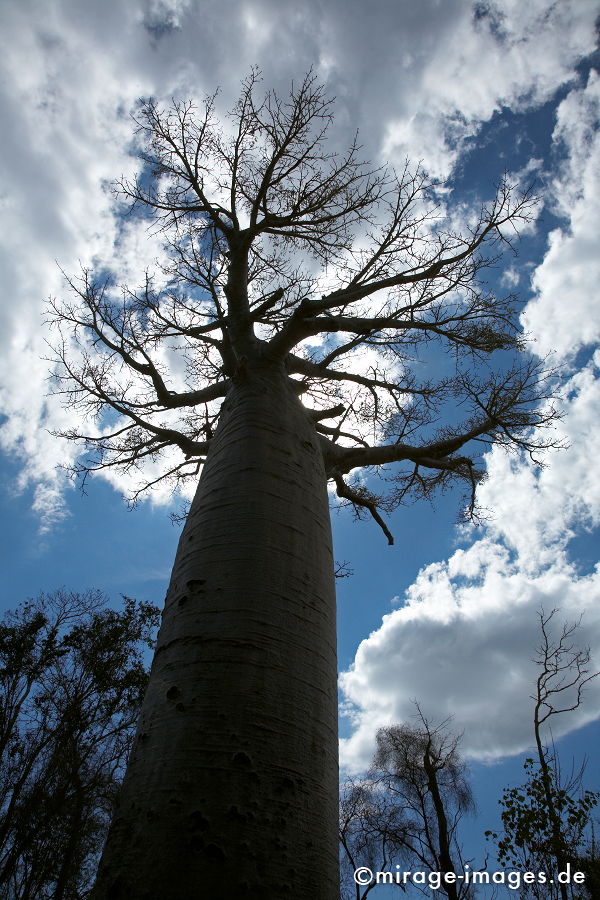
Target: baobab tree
274	350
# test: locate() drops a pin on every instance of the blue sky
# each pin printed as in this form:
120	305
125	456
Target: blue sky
471	90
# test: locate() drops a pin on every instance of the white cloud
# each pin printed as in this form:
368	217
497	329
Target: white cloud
510	277
71	74
463	640
564	317
506	54
465	650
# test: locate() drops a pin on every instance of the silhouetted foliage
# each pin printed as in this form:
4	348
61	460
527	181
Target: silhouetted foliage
531	840
408	810
372	829
72	677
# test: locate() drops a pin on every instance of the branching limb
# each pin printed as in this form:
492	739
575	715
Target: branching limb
452	255
563	668
363	499
114	331
245	211
317	415
300	366
337	433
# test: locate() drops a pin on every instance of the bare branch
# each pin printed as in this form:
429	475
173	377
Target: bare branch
244	212
361	498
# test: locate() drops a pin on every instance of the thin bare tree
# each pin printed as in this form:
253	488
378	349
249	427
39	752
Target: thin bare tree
372	832
547	820
420	770
564	671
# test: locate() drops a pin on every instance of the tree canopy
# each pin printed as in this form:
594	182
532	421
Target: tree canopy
280	250
406	814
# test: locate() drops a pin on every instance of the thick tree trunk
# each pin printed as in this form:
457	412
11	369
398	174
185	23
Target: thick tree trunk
231	789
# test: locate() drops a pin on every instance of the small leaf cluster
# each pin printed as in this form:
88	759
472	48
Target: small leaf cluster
527	823
545	823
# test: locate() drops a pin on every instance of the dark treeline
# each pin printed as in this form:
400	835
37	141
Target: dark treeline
72	677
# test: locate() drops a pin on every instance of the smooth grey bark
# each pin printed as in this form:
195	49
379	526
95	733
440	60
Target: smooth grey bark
232	786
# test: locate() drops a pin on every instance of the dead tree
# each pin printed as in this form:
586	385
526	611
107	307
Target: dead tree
547	820
564	671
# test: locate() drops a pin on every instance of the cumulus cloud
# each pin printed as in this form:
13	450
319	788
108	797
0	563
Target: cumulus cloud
415	79
463	638
564	316
491	55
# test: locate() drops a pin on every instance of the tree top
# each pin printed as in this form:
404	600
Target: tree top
281	254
